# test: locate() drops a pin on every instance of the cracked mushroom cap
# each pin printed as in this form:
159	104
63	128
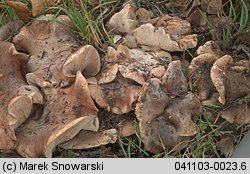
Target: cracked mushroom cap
138	65
89	139
239	114
66	111
174	81
152	101
117	96
148	35
199	74
124	21
85	59
179	112
158	135
231	79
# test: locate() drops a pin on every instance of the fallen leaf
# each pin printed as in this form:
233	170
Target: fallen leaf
40	6
21	10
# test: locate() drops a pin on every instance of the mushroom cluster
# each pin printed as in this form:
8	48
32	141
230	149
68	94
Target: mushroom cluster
50	93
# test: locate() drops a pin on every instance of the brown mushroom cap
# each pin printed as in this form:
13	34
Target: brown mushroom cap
230	78
158	135
85	59
15	104
43	42
32	92
108	73
174	81
117	96
111	55
67	111
179	112
39	139
138	65
152	101
210	47
88	139
199	74
149	35
124	21
174	25
239	114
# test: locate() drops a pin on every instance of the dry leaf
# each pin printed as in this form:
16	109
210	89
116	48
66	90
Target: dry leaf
21	10
39	6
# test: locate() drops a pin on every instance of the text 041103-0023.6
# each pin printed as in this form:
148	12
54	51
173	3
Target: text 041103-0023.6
210	166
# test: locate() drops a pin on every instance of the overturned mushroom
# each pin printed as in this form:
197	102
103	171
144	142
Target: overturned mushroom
231	79
117	96
16	96
173	81
179	112
199	75
239	114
